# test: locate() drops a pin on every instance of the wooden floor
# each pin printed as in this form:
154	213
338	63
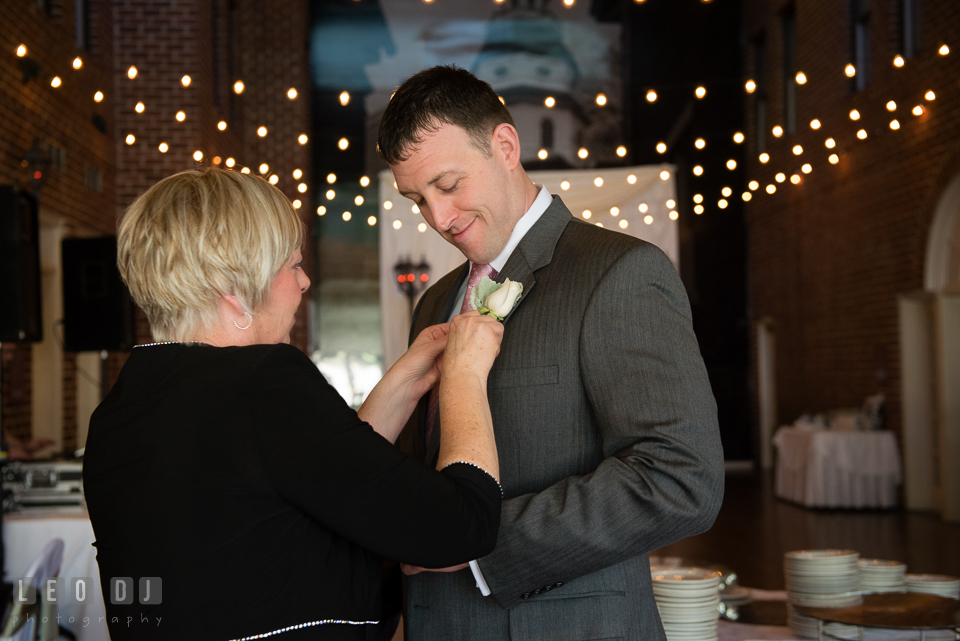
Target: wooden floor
754	529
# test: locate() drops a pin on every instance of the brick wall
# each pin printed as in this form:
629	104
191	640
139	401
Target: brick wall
828	257
215	42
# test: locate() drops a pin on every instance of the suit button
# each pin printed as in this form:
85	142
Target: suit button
536	592
525	595
557	584
548	588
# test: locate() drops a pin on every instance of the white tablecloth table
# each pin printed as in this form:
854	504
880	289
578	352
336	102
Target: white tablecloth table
838	469
24	536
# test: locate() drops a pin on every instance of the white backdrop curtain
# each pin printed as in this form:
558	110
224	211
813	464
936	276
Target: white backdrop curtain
630	200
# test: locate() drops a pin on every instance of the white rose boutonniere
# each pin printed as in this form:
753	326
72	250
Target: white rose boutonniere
495	299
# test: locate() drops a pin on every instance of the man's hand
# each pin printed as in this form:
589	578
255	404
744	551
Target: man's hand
410	570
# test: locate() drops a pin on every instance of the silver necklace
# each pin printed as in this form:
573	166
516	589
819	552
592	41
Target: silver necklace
190	343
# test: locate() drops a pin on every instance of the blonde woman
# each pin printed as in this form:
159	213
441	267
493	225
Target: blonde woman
223	463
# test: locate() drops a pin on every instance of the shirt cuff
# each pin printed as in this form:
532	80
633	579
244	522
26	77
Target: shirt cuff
478	575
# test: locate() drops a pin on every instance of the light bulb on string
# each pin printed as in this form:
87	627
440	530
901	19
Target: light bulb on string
565	185
698	170
587	213
321	210
771	189
601	100
801	78
292	93
753	185
245	170
185	81
371	220
807	168
598	181
97	97
549	102
230	162
795	179
643	208
648	219
671	203
130	139
614	211
302	188
651	96
661	147
727	192
358	201
264	168
891	106
164	147
542	154
898	61
698	198
296	203
834	159
722	203
764	158
780	177
132	72
55	82
700	143
673	215
261	131
862	134
894	124
302	139
698	210
623	223
139	107
331	178
388	204
797	150
364	181
77	62
222	125
330	194
850	71
777	131
238	87
814	124
343	143
929	96
750	86
621	151
181	116
854	114
344	98
738	137
582	152
397	224
731	164
943	50
746	196
632	179
830	143
664	175
21	51
917	111
700	92
198	155
347	216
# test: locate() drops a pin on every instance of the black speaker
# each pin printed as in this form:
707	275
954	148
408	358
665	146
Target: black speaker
97	310
20	318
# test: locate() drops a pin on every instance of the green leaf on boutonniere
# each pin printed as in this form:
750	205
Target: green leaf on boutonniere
481	292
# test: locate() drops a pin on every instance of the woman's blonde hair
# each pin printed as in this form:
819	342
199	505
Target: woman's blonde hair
200	234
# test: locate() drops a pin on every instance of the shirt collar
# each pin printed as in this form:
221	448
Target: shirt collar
528	220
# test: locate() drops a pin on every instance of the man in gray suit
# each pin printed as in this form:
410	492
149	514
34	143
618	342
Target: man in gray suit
605	422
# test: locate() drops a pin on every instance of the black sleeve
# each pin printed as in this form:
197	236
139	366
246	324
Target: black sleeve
334	467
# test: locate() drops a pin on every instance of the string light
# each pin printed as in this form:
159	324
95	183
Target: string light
631	179
894	124
331	178
222	125
21	51
231	162
364	181
814	124
130	139
185	81
651	96
347	216
344	98
726	191
671	203
698	198
139	107
746	196
198	155
722	203
862	134
296	203
388	204
795	179
601	100
648	219
322	210
771	189
358	201
302	139
764	158
943	50
754	185
569	3
661	148
598	181
624	223
731	164
238	87
807	168
302	188
698	170
850	70
797	150
245	170
891	106
565	185
264	168
397	224
549	101
750	86
77	62
917	111
216	160
621	151
371	220
898	61
698	210
415	209
331	194
830	143
587	213
700	143
854	114
834	159
97	97
55	82
674	215
738	137
614	211
542	154
582	152
777	131
261	131
780	177
801	78
132	72
643	208
292	93
343	143
700	92
163	147
929	96
181	116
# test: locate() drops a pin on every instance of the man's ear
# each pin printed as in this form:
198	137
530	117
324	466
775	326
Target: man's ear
506	144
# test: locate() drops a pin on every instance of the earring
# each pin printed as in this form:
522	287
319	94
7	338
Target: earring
249	321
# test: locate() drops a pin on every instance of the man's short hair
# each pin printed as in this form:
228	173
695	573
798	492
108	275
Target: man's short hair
200	234
434	97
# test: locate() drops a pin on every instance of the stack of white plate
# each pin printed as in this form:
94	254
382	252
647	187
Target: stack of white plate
821	579
877	576
688	600
804	626
938	584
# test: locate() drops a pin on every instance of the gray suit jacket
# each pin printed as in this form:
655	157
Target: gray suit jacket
607	434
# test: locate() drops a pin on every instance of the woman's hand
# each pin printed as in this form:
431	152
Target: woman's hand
421	362
472	345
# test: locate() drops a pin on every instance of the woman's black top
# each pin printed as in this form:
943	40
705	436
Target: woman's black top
240	478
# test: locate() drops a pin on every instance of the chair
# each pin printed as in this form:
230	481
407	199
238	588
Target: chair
24	621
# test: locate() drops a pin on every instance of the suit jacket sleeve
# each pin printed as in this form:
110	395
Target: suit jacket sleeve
662	478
